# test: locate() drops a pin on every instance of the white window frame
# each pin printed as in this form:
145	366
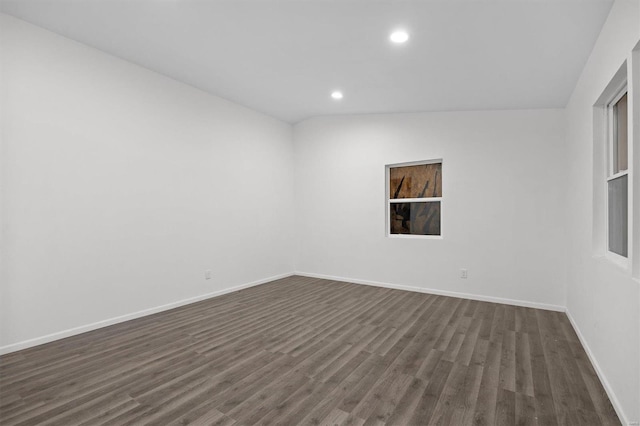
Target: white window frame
610	138
390	201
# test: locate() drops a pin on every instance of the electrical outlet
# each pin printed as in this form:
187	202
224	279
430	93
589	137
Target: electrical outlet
463	273
207	274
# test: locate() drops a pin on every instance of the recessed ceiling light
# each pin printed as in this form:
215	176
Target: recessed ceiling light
399	36
337	95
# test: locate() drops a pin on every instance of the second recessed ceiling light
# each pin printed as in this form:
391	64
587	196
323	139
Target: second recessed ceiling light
399	36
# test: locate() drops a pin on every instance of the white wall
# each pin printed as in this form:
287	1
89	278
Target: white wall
503	209
602	298
122	186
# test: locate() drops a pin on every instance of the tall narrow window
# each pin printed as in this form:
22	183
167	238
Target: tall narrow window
617	176
414	198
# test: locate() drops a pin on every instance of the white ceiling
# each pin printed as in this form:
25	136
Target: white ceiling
285	57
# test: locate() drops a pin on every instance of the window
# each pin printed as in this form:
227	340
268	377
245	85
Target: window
617	176
414	198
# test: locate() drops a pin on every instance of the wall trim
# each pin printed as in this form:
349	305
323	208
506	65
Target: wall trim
603	379
127	317
471	296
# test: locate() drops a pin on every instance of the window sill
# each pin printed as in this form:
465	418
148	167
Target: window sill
617	260
415	237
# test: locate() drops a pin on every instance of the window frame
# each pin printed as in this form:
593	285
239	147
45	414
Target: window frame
611	136
389	201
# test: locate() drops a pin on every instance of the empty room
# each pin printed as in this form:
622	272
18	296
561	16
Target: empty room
320	212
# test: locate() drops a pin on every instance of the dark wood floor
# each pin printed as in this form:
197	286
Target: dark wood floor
308	351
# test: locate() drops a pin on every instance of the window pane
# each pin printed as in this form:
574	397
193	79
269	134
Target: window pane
423	181
618	215
620	135
415	218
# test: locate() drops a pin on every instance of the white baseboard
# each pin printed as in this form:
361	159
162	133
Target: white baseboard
471	296
601	376
104	323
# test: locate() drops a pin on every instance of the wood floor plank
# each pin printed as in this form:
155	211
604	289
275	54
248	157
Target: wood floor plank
386	399
454	386
508	361
524	376
429	399
467	397
525	410
302	350
505	408
485	409
407	403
